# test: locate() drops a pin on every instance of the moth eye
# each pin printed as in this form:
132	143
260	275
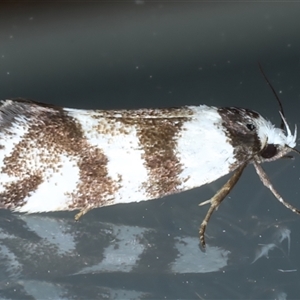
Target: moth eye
269	152
250	126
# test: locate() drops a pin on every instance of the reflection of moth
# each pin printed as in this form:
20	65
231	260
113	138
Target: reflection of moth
280	235
54	158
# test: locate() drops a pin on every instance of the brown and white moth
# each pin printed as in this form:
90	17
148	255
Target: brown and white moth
54	158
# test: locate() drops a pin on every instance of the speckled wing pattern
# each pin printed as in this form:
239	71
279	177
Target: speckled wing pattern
54	158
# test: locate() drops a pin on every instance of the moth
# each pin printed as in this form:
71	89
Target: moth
54	158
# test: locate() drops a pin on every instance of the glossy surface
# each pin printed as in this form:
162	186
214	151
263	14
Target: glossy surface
140	54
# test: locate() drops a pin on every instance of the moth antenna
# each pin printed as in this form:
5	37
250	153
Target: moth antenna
291	137
288	131
274	92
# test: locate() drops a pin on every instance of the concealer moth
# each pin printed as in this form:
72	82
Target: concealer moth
54	158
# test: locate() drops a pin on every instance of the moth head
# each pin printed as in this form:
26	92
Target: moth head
275	142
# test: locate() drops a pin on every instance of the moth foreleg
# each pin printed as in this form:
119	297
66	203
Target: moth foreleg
266	181
216	200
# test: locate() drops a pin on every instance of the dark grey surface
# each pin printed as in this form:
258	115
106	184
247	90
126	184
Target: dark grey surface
143	54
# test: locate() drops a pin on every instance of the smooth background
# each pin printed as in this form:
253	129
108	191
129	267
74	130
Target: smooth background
131	54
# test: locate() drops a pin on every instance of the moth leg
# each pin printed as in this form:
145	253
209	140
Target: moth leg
266	181
205	202
216	200
82	212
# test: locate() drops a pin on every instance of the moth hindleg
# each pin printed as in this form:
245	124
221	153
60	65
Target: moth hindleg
82	212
